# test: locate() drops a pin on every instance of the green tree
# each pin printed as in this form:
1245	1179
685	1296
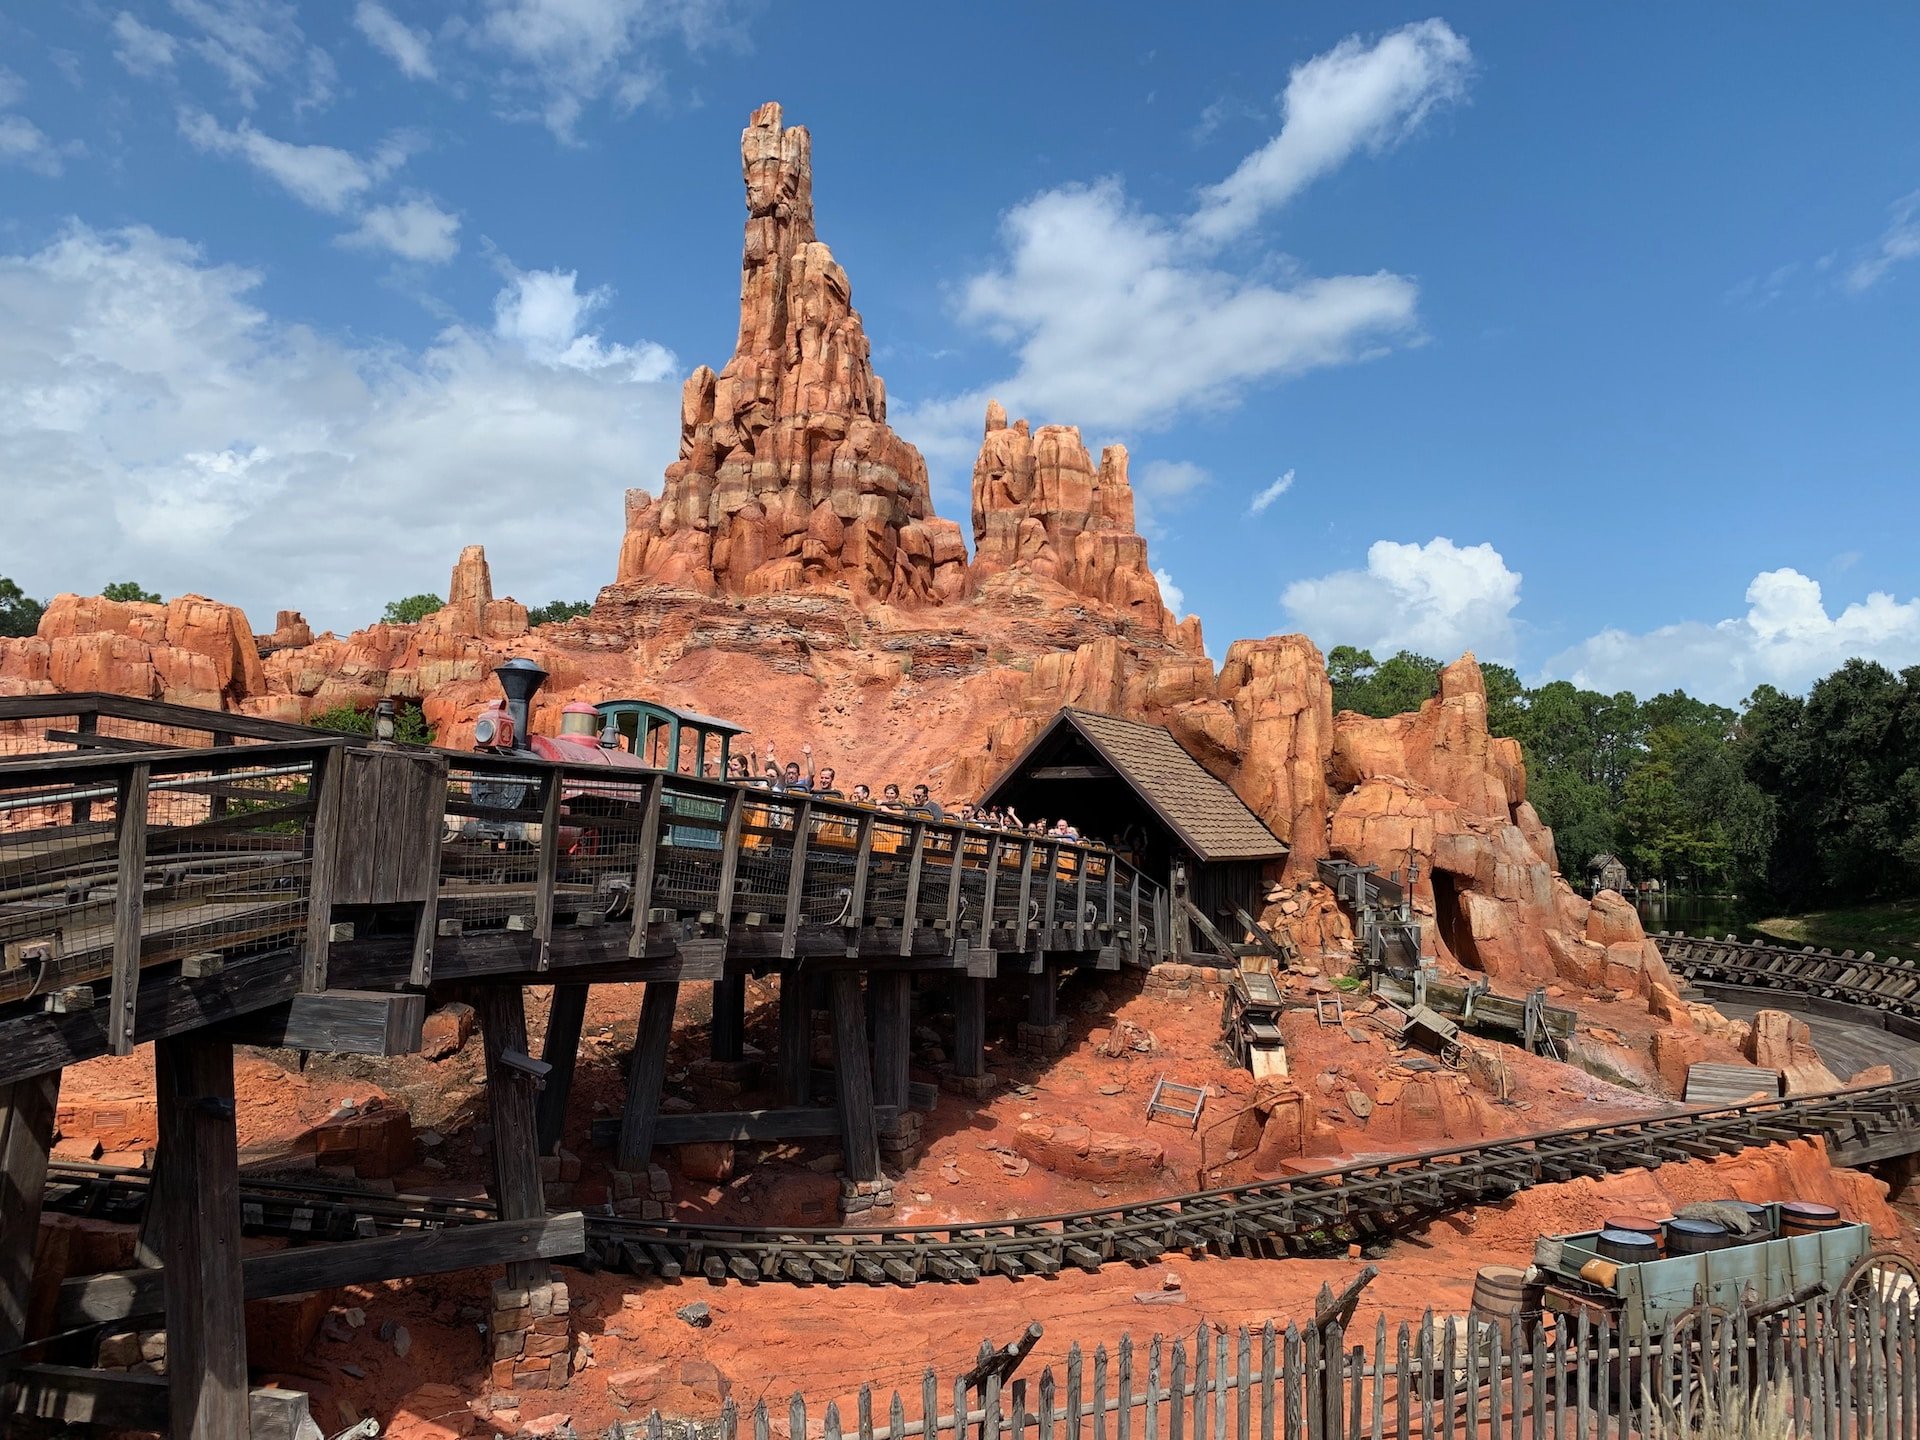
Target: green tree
409	722
1380	688
555	611
19	614
129	590
410	611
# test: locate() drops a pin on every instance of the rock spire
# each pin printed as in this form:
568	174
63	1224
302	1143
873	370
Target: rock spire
1039	505
788	472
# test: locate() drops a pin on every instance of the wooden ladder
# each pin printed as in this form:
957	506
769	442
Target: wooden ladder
1173	1101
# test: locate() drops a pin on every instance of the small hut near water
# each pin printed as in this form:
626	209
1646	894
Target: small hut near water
1607	871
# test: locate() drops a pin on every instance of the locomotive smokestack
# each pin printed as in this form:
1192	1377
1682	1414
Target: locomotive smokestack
520	679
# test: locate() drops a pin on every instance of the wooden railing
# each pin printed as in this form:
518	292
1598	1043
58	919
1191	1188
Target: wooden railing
1836	1368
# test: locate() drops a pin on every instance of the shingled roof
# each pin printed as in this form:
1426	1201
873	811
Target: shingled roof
1211	821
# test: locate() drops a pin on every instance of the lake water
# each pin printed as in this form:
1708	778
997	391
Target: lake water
1714	915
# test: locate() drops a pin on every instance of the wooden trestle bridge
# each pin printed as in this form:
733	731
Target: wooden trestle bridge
202	880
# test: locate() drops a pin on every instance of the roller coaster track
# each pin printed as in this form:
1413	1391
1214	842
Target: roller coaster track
1296	1215
1886	985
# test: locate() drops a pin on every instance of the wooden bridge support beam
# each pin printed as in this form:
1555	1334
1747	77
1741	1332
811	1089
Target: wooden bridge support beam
200	1238
561	1050
969	1026
1043	994
647	1079
26	1137
854	1078
510	1105
892	993
729	1035
795	1056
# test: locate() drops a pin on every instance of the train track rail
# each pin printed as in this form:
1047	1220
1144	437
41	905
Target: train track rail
1297	1215
1884	985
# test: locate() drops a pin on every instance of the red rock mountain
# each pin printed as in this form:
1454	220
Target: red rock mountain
872	637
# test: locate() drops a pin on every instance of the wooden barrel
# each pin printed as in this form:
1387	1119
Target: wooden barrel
1696	1237
1511	1302
1628	1247
1636	1225
1803	1217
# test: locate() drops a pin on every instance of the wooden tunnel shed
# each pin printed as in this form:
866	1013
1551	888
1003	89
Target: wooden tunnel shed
1134	786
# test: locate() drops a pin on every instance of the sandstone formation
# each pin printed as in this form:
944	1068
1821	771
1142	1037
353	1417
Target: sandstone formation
1039	507
788	471
191	651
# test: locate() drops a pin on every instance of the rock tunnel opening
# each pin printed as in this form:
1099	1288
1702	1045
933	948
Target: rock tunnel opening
1450	918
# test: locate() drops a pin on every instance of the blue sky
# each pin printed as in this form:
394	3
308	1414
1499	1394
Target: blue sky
1587	336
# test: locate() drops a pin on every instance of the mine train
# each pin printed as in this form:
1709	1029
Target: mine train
641	736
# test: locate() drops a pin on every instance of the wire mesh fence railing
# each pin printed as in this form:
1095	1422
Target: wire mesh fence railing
109	865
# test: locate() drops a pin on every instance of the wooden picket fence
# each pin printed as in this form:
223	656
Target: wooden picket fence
1824	1370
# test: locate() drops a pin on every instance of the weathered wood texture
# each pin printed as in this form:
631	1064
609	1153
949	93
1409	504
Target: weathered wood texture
336	1022
133	1295
561	1050
853	1078
794	1055
66	1395
26	1134
129	908
727	1040
892	994
647	1078
516	1149
382	844
969	1026
200	1243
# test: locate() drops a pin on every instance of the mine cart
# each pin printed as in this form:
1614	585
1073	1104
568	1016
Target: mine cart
1251	1024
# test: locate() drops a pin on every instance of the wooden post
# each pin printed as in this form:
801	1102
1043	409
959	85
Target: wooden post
205	1290
1043	996
648	1076
910	911
969	1026
857	902
1023	923
860	1136
547	877
795	1057
992	885
129	905
735	813
729	1036
1044	940
1080	859
26	1136
562	1051
796	889
648	853
325	862
510	1105
892	1035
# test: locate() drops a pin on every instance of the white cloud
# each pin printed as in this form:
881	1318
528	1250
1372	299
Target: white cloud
1786	639
1160	486
1272	493
1901	241
416	229
544	313
142	49
12	88
1120	319
1438	599
1355	96
156	423
1171	595
257	43
25	144
407	46
570	53
322	176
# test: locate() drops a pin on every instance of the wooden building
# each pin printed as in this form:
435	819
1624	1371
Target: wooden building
1606	872
1135	787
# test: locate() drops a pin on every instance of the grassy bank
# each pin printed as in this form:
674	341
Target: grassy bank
1889	928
